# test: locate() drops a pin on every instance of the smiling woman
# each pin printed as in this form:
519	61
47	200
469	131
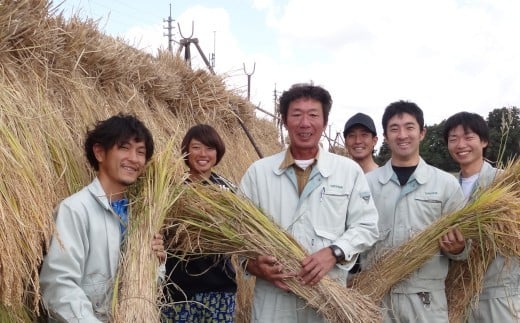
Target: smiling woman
201	288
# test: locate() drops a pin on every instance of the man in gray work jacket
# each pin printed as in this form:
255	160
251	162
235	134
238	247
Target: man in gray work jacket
322	199
409	196
78	272
467	137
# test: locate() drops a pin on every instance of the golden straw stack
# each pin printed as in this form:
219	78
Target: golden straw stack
57	78
136	292
208	220
493	217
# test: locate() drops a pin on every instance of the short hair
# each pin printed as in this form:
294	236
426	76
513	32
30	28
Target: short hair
207	135
117	130
401	107
468	121
305	91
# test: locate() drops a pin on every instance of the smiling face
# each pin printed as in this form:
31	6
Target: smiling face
403	135
305	123
360	143
201	159
120	166
466	148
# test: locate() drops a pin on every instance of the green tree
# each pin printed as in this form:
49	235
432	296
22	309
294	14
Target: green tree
434	151
504	135
383	154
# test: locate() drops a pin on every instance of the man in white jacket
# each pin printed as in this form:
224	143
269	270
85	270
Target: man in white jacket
78	272
467	137
322	199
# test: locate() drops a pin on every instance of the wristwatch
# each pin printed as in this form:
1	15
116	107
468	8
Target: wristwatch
338	253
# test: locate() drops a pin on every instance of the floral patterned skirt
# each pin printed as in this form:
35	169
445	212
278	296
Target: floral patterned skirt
202	308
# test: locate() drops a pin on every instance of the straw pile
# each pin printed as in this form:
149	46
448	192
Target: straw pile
208	220
58	77
492	220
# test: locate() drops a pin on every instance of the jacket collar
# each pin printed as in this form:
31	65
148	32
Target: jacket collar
420	174
99	194
323	165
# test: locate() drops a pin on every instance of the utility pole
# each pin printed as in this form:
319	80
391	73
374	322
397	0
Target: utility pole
185	43
278	115
212	55
170	27
249	80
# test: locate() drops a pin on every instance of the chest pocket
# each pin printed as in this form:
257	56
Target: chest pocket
426	210
333	206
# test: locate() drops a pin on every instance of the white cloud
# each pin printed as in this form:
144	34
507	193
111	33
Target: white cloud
445	55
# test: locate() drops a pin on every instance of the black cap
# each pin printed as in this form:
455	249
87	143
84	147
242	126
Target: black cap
361	119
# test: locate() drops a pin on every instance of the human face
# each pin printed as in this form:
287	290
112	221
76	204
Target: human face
360	143
466	148
404	135
120	165
201	158
305	123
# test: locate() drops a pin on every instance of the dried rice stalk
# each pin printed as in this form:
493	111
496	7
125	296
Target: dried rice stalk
208	220
136	289
465	279
494	218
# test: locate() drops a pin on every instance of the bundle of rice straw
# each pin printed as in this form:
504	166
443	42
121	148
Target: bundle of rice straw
208	220
493	217
136	296
465	279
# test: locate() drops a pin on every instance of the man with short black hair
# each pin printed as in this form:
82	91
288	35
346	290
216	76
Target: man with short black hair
78	272
410	195
467	137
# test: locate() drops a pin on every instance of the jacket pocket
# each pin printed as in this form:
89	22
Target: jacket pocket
323	238
97	293
330	217
427	210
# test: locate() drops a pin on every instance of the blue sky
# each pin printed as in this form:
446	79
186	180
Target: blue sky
445	55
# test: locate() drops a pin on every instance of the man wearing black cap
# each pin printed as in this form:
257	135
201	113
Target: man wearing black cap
360	138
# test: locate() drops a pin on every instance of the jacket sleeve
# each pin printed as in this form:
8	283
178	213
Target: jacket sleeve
248	187
361	222
455	201
62	269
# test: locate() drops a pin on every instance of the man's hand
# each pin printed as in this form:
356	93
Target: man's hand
316	266
158	247
453	242
268	268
